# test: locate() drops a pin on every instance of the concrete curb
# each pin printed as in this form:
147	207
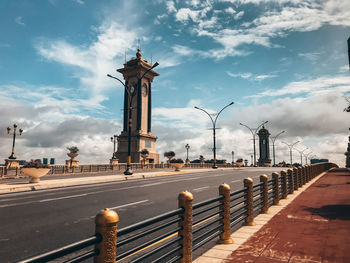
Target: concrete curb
66	182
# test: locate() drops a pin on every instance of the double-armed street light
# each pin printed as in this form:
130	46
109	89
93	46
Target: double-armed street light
14	133
131	93
214	127
253	131
290	150
273	139
187	148
301	155
307	155
114	139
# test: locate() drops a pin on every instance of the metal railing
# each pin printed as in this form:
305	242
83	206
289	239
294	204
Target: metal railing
103	168
174	235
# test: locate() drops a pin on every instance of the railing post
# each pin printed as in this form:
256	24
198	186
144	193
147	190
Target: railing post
225	236
276	199
17	171
284	184
264	194
90	168
248	183
303	178
300	175
2	171
106	226
185	201
296	178
291	180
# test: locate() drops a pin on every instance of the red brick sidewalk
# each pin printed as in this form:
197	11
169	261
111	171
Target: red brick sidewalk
315	227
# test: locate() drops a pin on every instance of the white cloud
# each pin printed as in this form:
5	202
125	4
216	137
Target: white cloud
51	121
19	21
171	6
319	85
81	2
230	10
250	76
93	61
239	15
289	16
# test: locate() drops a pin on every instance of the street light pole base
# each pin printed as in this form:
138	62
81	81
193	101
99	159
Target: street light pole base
214	166
128	171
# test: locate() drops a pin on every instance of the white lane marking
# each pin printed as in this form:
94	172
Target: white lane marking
59	198
236	181
200	189
135	203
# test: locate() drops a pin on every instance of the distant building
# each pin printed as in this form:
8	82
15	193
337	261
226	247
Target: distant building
313	161
52	161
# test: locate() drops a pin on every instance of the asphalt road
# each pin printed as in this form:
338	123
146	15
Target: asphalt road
36	222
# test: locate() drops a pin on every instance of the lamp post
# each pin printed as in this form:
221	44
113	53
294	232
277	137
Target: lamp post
14	133
273	139
290	150
254	133
233	157
307	155
187	148
214	127
301	155
131	93
113	139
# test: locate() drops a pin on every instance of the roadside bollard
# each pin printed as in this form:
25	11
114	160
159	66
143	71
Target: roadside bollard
90	168
248	183
17	171
3	171
308	173
303	178
276	199
264	194
291	181
225	236
106	225
296	178
284	184
185	200
300	175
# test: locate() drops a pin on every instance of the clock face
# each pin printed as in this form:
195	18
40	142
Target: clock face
144	90
132	88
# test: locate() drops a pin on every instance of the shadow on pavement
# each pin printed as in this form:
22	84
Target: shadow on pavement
341	212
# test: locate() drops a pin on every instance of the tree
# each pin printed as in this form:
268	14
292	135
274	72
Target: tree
144	155
169	155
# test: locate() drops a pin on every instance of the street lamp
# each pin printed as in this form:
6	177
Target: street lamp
114	139
273	139
254	133
306	156
187	148
290	150
14	133
131	93
214	127
301	155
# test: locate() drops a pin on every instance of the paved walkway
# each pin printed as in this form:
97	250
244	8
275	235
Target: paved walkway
315	227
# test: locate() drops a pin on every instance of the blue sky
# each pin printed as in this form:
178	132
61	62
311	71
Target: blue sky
282	61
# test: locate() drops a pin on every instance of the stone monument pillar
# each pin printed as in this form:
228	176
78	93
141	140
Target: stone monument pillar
264	147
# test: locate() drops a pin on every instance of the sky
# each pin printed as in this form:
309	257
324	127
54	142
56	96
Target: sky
281	61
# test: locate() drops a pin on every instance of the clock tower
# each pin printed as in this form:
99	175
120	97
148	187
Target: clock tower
138	75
